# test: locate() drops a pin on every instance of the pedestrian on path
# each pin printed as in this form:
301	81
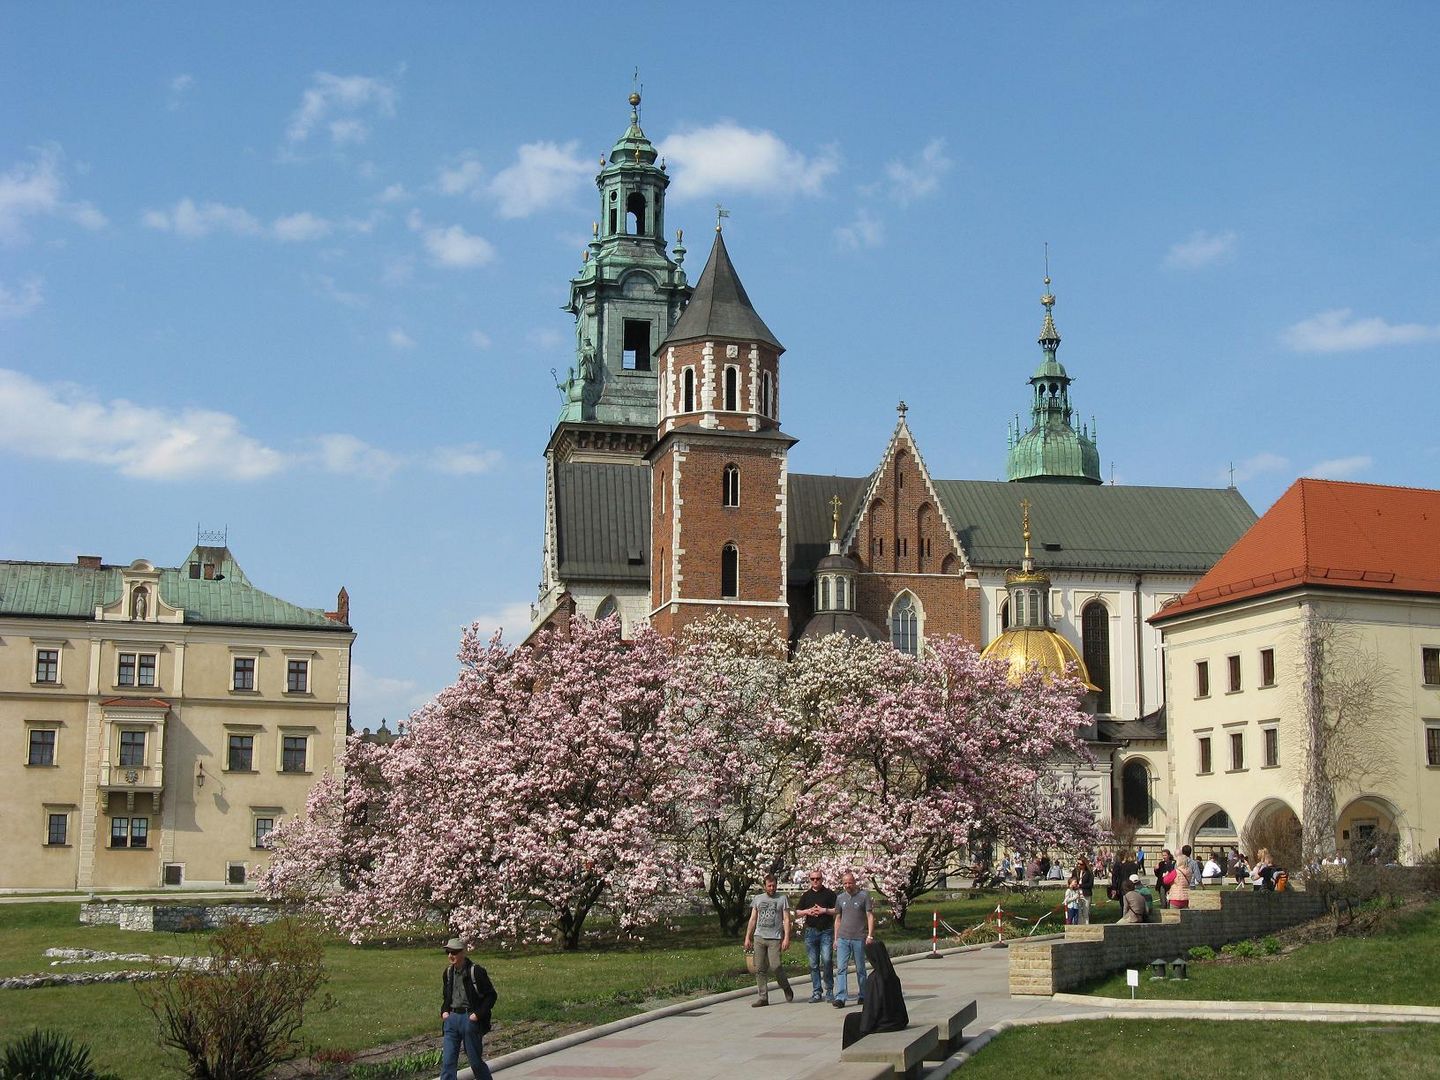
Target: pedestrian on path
768	934
817	905
469	997
855	917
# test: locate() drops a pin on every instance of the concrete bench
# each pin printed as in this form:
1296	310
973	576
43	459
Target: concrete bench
903	1051
853	1070
949	1024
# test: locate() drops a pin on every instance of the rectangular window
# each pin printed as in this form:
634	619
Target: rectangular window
125	672
292	753
146	671
264	826
47	665
1202	678
1432	745
235	874
174	873
297	676
42	747
1237	751
1430	660
119	832
57	830
1205	754
1232	663
132	749
635	350
1272	747
241	753
139	832
1267	667
244	677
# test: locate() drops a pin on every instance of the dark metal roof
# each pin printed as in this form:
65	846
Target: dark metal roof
1184	530
1150	727
602	521
808	523
825	623
719	307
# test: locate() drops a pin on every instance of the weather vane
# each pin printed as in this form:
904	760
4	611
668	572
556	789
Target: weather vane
720	212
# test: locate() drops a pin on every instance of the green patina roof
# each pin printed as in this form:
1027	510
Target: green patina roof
71	591
1055	453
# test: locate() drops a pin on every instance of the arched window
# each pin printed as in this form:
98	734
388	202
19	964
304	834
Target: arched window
1017	618
905	624
842	594
688	404
730	494
1004	614
1095	635
825	593
767	393
732	389
1036	612
607	607
635	214
1135	792
730	573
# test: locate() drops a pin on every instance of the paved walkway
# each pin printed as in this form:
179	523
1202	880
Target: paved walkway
722	1036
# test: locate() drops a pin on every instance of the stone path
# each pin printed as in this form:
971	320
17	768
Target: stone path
722	1036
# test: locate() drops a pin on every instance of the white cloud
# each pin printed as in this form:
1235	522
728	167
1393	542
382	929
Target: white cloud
469	459
190	220
326	285
348	455
393	193
64	423
1251	467
1339	331
180	87
865	231
301	226
726	157
454	247
17	302
921	176
1340	468
463	179
479	339
37	188
384	696
341	105
1202	249
544	173
514	619
399	339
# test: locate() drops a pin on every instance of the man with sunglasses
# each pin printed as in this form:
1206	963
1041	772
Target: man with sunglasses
817	904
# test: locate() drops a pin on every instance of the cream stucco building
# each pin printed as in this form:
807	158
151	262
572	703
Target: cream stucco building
155	723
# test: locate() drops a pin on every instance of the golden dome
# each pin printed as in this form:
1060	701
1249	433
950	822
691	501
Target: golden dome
1024	647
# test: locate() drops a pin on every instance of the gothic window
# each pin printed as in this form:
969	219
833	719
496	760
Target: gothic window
905	624
688	404
824	594
731	486
1135	792
730	573
635	349
767	393
607	607
1095	633
732	389
635	214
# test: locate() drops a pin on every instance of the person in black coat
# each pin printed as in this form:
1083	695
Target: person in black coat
469	997
884	1008
1120	872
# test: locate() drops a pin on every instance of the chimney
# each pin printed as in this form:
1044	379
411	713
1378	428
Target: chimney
341	614
88	562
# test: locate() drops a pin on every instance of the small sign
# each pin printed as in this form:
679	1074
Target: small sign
1132	976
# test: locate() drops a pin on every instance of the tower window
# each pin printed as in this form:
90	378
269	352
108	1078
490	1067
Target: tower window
730	495
767	394
905	624
635	350
635	214
730	573
842	594
732	389
688	405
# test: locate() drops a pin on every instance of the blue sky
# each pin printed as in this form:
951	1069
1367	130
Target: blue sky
298	271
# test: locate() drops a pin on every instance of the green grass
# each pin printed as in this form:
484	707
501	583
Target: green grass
1212	1047
387	994
1400	965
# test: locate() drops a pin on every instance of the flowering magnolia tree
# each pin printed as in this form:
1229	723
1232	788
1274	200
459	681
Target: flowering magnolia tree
541	786
921	753
745	758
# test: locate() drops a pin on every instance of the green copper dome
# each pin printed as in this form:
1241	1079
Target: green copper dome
1055	449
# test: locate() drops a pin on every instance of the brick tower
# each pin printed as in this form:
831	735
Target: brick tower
718	465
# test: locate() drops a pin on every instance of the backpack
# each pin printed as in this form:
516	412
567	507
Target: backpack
1149	896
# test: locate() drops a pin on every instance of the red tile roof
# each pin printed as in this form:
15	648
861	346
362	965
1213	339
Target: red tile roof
1331	534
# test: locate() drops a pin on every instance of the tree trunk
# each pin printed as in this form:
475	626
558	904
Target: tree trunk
727	896
1318	801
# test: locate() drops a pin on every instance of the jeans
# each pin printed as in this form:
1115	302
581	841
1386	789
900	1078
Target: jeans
818	945
847	949
768	958
460	1029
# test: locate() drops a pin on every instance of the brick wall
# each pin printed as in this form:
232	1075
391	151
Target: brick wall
1049	967
950	607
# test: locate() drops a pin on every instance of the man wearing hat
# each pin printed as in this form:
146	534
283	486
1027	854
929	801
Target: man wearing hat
465	1012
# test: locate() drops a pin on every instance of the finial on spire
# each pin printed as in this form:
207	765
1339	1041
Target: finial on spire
1028	563
720	213
902	408
595	228
835	505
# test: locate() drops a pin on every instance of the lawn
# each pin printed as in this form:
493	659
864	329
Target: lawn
388	994
1212	1047
1399	965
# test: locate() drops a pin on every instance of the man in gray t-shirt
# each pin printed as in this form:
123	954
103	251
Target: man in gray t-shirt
768	933
854	929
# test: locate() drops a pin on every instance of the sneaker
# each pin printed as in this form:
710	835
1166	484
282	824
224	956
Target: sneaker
830	998
839	1003
789	995
759	1003
815	999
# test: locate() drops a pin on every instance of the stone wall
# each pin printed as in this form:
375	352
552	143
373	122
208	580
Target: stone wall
1088	952
174	918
